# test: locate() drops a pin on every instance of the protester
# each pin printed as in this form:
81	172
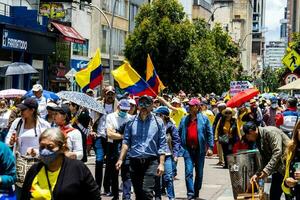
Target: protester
271	143
99	135
195	132
7	169
110	104
25	130
74	141
178	112
114	123
289	117
254	114
208	113
50	113
173	141
227	133
290	184
145	141
221	106
81	120
4	117
57	176
37	90
133	108
272	114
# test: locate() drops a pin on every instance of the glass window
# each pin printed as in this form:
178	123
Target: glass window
118	40
121	7
81	49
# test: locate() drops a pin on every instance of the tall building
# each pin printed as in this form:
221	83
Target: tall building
293	16
235	16
275	51
258	38
284	27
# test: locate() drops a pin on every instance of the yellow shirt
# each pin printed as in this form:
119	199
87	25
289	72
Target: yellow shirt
178	115
210	115
39	188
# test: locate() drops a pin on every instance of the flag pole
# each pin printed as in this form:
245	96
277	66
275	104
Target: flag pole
141	78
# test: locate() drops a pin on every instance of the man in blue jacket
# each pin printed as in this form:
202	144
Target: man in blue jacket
196	134
7	169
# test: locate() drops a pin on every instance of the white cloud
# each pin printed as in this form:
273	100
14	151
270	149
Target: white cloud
274	12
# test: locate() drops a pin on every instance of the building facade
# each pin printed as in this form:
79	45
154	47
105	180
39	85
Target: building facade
293	17
235	16
284	27
24	38
258	37
275	51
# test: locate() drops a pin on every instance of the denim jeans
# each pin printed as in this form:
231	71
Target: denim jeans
98	148
192	157
168	177
125	174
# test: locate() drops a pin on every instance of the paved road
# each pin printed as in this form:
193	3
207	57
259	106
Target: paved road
216	182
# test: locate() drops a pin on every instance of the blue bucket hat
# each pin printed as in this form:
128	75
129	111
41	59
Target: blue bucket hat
162	110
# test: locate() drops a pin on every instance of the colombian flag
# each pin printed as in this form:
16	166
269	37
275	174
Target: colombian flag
130	81
91	76
152	78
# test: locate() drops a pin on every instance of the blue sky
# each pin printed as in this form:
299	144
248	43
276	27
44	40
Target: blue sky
274	12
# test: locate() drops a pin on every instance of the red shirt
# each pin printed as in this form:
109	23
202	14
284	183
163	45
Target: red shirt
192	134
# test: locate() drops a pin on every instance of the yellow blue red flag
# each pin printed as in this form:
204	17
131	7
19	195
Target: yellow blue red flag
130	81
91	76
152	77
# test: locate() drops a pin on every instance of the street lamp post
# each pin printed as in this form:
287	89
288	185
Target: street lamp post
212	14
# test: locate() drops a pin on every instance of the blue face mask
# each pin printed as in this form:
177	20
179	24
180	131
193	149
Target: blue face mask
122	114
274	105
47	156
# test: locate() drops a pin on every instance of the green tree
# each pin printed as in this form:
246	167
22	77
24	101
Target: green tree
186	55
272	78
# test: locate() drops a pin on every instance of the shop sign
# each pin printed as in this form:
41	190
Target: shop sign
11	41
78	64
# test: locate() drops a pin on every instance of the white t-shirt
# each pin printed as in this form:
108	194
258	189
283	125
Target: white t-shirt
27	137
109	108
113	121
74	142
42	107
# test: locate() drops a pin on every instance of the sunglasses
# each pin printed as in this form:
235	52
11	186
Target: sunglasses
228	113
144	104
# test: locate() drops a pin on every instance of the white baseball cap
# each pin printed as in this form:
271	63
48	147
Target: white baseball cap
37	87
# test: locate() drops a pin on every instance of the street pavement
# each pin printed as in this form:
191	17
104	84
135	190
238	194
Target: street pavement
216	182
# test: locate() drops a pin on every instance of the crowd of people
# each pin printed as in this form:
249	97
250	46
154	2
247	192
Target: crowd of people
140	139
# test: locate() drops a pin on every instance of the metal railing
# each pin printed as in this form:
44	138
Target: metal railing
4	9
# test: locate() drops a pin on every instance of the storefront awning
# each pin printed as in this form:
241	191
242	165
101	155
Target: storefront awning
69	33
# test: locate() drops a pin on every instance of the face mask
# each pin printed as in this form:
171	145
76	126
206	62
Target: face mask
47	156
274	105
122	114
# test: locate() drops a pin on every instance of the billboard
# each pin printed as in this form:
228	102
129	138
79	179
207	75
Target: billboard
56	10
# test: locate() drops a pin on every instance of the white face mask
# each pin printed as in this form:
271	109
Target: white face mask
274	105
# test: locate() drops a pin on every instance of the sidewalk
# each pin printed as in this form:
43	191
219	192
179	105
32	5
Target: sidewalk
216	182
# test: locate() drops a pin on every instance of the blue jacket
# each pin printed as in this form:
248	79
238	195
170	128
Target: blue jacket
7	167
175	146
205	133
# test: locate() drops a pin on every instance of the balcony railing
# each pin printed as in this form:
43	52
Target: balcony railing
4	9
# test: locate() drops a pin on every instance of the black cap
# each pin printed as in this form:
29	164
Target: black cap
63	109
28	103
148	98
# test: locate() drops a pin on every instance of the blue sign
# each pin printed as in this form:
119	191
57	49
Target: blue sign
12	41
78	64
